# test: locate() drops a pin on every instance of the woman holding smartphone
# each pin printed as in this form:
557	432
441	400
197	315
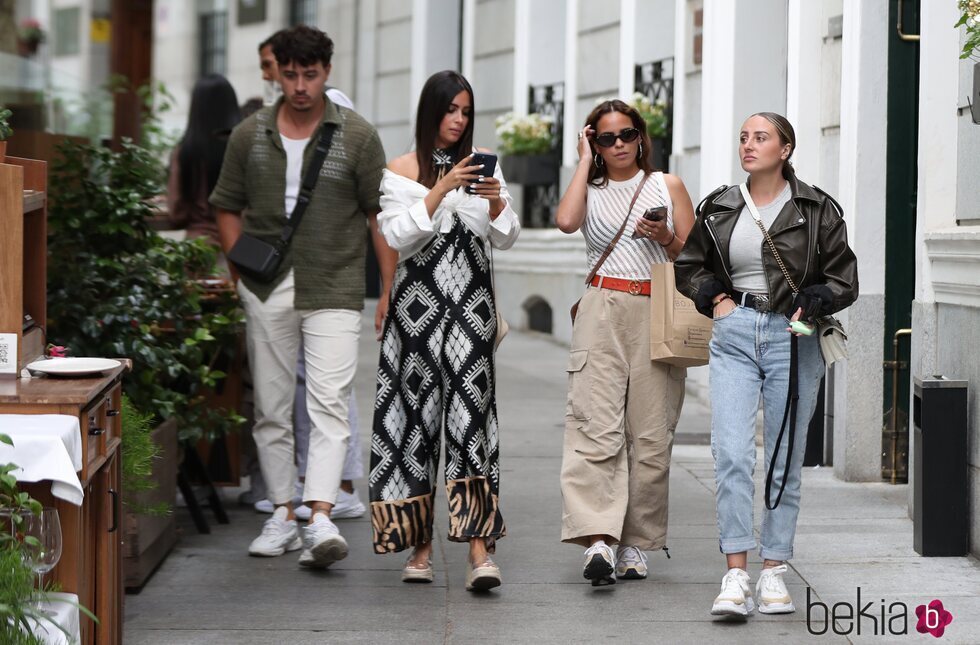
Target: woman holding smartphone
755	294
622	407
441	211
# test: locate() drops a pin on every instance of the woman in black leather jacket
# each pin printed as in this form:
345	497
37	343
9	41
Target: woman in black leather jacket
730	271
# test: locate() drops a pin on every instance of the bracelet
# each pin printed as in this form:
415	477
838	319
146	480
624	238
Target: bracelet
715	303
673	236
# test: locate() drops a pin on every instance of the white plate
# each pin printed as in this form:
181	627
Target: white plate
73	366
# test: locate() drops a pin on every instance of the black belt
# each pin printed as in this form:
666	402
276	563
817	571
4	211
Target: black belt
759	302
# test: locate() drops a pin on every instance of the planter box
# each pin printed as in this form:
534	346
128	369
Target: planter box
148	538
530	170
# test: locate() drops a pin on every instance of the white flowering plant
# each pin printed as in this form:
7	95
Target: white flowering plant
525	135
971	19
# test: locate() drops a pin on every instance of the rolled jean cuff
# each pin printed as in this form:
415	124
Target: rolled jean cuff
780	555
736	545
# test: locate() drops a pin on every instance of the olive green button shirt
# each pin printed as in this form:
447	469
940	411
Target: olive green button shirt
327	250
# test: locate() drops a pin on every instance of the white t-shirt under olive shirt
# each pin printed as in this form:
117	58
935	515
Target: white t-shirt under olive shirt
745	247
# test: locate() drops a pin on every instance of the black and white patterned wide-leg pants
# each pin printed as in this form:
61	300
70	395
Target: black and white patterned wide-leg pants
437	370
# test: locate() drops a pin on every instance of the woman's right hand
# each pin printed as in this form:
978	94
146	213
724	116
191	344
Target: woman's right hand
723	308
584	148
462	174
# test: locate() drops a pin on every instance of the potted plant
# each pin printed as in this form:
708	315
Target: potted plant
655	116
527	149
5	131
29	37
970	18
118	288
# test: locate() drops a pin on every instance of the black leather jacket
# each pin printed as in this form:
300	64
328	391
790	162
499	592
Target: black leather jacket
809	234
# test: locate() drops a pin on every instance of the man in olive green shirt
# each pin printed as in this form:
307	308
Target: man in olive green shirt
319	290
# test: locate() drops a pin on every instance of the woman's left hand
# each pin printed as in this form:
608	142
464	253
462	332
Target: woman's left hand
654	231
489	188
796	316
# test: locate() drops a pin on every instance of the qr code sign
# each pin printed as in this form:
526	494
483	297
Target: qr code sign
8	353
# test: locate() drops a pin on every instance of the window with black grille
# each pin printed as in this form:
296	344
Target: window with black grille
214	42
302	12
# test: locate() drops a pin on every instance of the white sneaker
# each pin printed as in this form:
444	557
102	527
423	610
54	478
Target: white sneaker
348	506
599	564
278	536
772	593
303	512
324	543
631	563
735	598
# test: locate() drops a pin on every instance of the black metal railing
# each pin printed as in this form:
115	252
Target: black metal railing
541	200
655	80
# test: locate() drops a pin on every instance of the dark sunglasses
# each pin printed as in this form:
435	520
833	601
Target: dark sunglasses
608	139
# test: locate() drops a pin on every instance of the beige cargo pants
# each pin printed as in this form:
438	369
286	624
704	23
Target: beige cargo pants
619	425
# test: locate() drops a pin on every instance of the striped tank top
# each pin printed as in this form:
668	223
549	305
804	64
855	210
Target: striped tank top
605	210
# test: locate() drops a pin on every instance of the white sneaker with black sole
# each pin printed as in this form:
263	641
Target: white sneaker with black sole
600	564
631	563
735	598
772	593
278	536
324	543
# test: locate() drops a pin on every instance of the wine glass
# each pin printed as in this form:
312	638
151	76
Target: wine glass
44	551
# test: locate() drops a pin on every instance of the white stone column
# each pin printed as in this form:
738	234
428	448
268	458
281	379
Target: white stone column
859	380
522	52
718	57
570	141
366	64
681	37
627	47
804	84
469	37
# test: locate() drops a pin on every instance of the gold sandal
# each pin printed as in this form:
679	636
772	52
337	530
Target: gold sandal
483	576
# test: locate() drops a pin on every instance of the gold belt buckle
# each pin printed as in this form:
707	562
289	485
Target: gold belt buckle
634	288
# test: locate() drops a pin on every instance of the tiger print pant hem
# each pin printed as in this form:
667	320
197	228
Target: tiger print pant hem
406	523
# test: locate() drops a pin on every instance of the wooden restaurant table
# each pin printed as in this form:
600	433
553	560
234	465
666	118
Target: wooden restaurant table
91	557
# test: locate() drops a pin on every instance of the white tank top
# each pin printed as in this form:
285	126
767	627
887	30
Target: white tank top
294	169
606	208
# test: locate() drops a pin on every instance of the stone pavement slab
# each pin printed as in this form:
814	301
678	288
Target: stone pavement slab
850	535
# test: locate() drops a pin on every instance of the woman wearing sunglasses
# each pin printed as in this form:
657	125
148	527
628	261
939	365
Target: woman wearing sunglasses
622	407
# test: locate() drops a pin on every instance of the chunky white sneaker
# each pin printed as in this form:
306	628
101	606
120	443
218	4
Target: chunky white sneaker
324	543
303	512
278	536
348	506
631	563
772	593
599	564
735	598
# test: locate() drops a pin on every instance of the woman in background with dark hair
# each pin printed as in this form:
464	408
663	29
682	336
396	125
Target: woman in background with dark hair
437	351
622	407
729	269
196	161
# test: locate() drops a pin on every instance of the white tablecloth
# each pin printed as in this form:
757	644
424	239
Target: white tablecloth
46	446
64	607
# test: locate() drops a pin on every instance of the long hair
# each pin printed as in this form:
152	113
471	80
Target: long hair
437	94
786	135
598	174
214	113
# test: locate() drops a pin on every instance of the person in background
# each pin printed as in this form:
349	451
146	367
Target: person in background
729	270
348	503
317	294
622	407
196	160
436	374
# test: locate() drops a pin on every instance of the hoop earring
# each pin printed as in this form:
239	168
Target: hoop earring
640	154
597	160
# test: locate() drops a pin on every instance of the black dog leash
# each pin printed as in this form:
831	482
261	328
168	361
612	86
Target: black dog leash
792	402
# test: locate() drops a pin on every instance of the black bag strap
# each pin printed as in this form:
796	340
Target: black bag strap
309	183
792	402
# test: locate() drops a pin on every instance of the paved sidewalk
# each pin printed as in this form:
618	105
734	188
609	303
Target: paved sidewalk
849	536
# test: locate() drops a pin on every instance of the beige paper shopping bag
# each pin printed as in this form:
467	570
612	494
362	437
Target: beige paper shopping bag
679	335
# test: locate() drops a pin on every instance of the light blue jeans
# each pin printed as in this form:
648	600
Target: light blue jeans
750	357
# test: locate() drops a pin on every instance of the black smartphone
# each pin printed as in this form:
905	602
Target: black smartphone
489	161
655	214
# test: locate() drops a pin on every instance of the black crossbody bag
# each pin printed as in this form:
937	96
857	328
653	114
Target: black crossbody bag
261	260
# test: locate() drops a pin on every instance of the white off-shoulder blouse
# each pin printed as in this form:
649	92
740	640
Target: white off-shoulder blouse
407	227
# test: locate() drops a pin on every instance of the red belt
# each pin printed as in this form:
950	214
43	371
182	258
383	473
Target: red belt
633	287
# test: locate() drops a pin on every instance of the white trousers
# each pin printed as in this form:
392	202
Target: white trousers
274	331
